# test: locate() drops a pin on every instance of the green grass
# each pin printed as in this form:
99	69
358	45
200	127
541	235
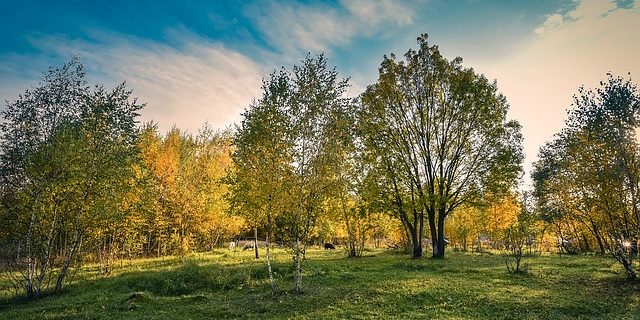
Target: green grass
383	285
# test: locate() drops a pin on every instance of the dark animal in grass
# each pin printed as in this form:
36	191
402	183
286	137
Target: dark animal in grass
329	246
247	246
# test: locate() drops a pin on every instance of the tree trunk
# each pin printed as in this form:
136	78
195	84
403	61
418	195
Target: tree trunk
587	247
268	256
67	261
440	237
215	242
434	235
351	237
416	240
298	262
255	242
420	235
45	264
31	263
29	277
100	249
109	254
628	268
596	234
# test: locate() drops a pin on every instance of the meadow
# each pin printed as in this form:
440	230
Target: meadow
380	285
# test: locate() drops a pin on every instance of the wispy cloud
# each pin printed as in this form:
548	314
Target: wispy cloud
568	50
186	84
296	28
378	13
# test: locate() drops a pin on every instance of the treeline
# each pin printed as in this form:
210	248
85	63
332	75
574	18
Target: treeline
82	181
180	200
425	157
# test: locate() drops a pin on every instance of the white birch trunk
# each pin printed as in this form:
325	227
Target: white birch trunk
268	255
298	273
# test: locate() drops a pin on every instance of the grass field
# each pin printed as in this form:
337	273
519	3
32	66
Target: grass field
381	285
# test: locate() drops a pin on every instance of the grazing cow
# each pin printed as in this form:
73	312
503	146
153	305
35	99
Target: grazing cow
247	246
232	245
329	246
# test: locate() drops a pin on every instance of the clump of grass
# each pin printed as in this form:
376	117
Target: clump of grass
135	299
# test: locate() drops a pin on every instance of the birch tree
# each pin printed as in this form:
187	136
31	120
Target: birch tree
285	151
65	152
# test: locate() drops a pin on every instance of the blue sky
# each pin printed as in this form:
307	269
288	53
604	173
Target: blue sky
197	61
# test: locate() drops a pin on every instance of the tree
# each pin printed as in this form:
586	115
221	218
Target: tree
497	215
518	234
346	177
65	152
318	94
151	195
516	237
441	132
285	155
261	174
213	154
588	175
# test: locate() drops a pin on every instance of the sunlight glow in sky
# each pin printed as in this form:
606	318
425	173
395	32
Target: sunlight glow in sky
197	61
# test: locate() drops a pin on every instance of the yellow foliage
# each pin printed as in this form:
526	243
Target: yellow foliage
500	215
468	224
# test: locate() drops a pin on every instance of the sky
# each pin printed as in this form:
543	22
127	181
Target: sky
203	61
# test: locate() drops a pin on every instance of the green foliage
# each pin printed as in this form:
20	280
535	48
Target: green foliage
66	153
288	151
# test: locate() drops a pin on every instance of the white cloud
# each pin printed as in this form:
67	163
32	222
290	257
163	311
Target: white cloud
183	85
578	48
553	21
375	13
295	28
592	9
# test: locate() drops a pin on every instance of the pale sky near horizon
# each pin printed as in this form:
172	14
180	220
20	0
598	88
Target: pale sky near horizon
197	61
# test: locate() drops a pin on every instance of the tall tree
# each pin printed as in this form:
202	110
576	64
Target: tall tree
318	94
285	153
65	151
262	160
443	134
